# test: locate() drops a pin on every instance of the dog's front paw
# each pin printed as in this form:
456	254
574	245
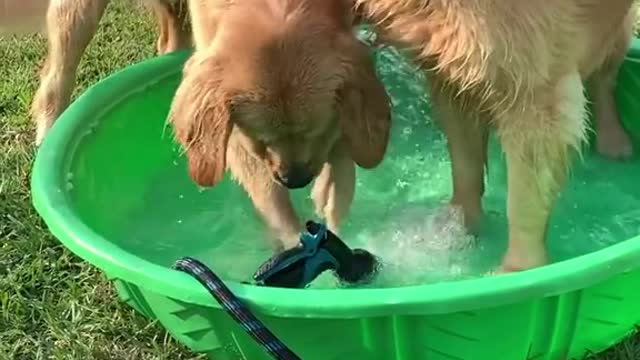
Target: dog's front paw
284	239
468	210
515	261
290	241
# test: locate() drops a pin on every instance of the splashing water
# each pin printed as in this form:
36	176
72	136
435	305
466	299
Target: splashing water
397	214
421	245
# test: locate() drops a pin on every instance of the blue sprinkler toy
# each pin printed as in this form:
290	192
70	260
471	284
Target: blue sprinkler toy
319	250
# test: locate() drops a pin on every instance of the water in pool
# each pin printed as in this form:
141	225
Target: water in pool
399	212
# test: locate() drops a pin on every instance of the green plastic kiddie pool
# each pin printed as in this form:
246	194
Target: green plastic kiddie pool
112	185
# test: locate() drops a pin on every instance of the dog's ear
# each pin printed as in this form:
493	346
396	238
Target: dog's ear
364	107
200	114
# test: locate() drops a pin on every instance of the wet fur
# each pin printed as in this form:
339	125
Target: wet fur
70	25
280	90
517	67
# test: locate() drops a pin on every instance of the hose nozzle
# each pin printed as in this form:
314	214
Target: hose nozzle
319	250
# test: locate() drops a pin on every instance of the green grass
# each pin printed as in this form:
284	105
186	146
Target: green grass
52	304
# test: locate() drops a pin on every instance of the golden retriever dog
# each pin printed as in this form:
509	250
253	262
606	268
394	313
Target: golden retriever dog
70	25
518	67
280	93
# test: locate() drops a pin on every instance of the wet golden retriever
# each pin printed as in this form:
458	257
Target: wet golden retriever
281	93
278	90
517	67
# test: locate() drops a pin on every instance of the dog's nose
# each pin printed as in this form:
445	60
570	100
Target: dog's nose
295	178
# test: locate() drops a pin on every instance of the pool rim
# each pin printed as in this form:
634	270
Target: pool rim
54	206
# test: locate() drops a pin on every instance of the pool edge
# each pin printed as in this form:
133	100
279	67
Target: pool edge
462	295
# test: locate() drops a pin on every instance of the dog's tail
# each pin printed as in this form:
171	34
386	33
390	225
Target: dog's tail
23	16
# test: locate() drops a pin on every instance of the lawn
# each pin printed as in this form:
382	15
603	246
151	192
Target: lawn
52	304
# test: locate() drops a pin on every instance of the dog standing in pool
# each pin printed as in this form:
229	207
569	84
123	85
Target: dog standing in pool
520	68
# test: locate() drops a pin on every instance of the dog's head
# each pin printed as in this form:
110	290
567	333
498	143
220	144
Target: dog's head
289	81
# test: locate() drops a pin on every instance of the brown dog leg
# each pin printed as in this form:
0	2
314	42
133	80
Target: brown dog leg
174	25
612	140
539	143
270	199
334	188
70	27
467	138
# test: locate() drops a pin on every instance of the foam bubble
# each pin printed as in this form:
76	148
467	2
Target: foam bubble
419	245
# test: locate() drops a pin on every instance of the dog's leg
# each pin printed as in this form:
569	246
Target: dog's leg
70	27
539	143
612	140
467	137
334	188
269	198
274	205
174	26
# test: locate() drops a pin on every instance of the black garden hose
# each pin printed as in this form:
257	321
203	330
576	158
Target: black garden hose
234	307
